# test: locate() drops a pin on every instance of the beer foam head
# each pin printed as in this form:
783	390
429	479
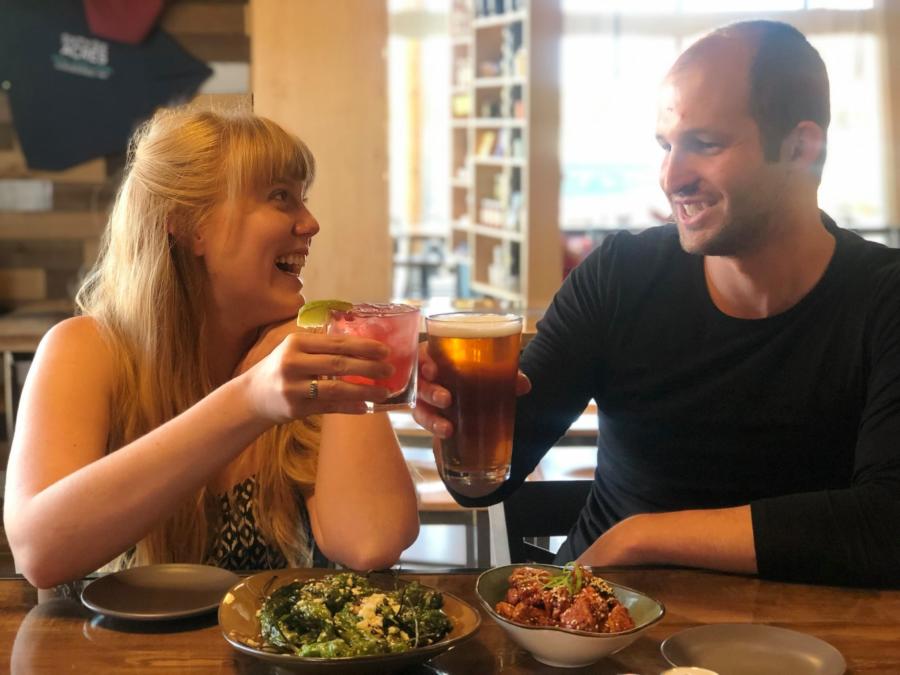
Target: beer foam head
474	325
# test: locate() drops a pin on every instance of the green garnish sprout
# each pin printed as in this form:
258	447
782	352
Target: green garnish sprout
571	576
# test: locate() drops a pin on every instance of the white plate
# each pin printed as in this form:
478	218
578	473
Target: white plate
752	649
159	592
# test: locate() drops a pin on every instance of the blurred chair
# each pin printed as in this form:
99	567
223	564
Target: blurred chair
438	508
15	368
418	255
536	511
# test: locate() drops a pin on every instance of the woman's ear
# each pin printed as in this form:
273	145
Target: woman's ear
194	240
198	243
804	146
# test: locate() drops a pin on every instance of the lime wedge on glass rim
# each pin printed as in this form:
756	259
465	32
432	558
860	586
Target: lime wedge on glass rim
315	313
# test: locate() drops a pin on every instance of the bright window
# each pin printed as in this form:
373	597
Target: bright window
612	60
419	136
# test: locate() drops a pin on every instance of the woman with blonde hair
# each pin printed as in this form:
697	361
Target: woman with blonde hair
181	417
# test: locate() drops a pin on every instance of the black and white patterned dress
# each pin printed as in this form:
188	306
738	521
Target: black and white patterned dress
240	545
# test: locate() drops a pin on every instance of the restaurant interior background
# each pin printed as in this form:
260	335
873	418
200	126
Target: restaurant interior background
612	54
421	192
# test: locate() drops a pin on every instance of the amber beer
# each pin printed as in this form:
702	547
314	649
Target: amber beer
477	357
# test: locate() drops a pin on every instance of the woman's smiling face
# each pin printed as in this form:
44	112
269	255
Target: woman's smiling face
254	252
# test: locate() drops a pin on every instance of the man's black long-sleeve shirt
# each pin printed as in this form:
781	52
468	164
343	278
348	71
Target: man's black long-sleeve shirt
797	414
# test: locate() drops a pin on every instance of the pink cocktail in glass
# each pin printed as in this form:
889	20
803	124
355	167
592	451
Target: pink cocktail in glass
397	326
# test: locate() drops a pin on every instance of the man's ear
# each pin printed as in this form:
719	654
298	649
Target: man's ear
804	146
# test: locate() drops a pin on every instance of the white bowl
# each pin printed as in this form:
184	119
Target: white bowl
564	647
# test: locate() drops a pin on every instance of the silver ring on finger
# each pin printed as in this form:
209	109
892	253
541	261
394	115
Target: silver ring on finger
313	390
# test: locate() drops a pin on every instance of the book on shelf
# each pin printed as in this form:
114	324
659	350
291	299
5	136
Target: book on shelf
502	145
463	72
486	143
495	7
490	213
514	211
462	105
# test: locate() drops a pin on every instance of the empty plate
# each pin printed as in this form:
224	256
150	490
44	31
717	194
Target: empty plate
752	649
157	592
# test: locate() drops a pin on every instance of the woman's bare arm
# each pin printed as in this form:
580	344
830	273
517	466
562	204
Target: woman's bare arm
364	511
70	507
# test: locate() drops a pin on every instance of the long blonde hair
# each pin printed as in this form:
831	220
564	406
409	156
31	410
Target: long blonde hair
146	291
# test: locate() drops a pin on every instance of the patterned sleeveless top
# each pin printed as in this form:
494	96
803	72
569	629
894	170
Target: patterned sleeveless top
240	545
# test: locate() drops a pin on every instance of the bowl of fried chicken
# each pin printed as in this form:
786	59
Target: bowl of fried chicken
565	616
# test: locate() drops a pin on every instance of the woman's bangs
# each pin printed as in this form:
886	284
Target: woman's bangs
270	155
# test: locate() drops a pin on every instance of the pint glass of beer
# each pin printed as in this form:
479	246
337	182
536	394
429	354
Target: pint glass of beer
477	357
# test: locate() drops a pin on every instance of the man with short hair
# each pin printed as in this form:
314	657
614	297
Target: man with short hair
745	359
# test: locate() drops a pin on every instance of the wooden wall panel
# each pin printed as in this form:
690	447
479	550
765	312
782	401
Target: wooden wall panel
210	31
204	18
23	284
318	68
56	225
216	47
891	62
50	254
12	165
90	249
81	197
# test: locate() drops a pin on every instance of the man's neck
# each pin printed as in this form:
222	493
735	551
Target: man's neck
775	276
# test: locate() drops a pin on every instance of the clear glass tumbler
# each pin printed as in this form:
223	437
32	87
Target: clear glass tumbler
397	326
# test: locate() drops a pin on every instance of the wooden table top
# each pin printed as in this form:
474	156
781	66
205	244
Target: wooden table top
59	635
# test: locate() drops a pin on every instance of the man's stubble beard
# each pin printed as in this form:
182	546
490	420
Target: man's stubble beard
736	237
743	231
748	222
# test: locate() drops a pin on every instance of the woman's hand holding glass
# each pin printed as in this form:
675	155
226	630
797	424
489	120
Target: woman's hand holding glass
293	373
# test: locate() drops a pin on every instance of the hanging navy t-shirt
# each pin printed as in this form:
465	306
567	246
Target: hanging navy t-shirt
75	96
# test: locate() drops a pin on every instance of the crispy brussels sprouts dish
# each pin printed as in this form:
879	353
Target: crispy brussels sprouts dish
344	615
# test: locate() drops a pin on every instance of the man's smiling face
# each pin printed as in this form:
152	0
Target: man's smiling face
722	191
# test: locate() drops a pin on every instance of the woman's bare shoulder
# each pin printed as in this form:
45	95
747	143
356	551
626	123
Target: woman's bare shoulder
79	339
66	395
81	330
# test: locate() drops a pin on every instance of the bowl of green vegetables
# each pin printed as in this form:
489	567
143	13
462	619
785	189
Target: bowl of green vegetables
342	622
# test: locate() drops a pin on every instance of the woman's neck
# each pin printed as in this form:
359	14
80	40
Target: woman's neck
226	346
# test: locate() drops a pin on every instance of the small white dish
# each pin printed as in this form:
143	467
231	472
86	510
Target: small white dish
752	649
